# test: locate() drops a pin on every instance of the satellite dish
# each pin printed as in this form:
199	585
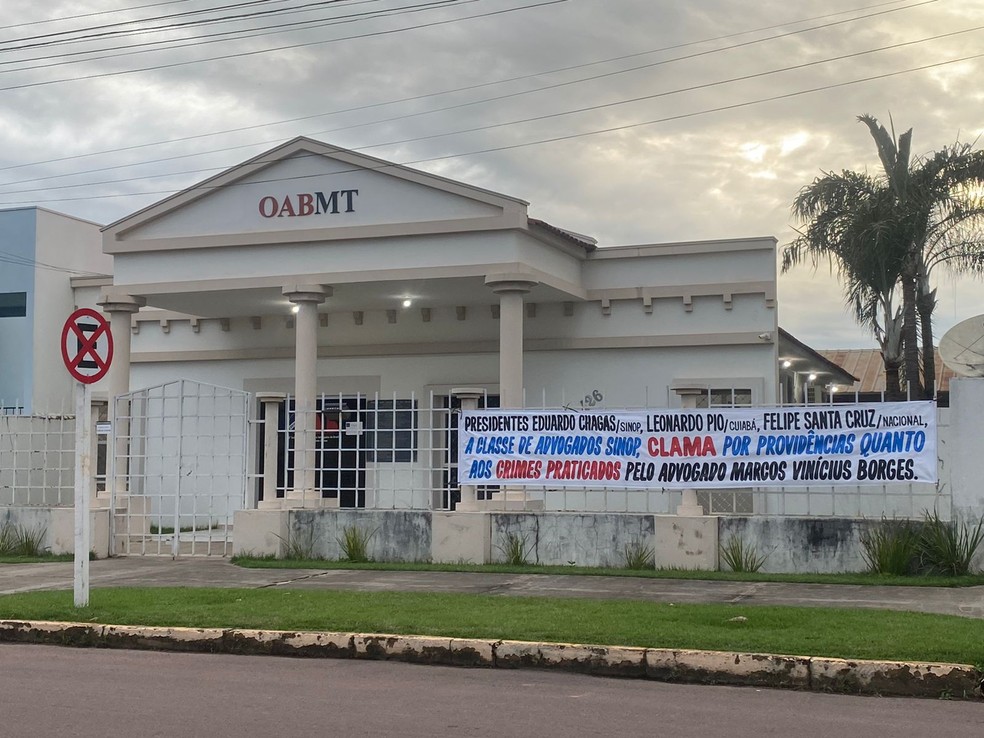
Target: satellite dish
962	347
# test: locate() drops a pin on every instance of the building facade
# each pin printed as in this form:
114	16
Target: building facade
39	251
313	271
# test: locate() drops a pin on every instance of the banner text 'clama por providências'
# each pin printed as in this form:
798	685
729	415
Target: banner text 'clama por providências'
873	443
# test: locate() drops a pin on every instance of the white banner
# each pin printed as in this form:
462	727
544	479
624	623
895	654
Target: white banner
875	443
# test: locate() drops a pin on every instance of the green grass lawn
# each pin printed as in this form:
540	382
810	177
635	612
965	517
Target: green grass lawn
802	631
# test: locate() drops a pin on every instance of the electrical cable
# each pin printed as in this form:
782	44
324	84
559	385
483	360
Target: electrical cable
434	94
256	52
565	137
451	107
490	126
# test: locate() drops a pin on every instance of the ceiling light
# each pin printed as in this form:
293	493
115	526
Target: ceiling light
813	377
407	302
295	309
786	364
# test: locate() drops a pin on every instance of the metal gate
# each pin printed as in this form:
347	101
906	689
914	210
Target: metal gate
179	469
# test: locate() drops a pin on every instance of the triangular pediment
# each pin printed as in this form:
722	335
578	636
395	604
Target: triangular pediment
313	190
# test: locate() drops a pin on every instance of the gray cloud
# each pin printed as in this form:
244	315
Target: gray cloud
704	175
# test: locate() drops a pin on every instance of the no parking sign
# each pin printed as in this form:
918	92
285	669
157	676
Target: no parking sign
87	345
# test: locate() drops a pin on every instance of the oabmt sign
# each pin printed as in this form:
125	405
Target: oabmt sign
308	203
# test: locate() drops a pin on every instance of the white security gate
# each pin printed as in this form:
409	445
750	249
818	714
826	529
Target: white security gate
179	469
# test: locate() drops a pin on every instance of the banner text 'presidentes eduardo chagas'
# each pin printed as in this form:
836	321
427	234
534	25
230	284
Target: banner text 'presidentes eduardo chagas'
873	443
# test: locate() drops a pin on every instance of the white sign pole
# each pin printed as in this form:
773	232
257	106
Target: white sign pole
83	481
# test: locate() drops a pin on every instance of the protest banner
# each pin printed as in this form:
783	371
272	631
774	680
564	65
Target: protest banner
874	443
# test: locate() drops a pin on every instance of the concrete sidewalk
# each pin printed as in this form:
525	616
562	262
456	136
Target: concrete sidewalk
202	572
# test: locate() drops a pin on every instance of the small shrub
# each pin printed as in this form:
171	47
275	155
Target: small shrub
6	539
948	548
891	547
638	555
741	556
515	551
355	544
298	546
19	540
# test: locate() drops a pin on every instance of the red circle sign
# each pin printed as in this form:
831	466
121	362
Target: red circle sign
87	345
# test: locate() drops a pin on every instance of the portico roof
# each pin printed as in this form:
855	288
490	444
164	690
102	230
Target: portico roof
310	147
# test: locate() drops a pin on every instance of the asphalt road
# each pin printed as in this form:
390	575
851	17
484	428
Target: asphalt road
49	691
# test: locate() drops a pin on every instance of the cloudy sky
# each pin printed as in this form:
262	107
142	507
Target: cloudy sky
634	121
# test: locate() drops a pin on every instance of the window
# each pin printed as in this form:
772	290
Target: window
13	304
725	397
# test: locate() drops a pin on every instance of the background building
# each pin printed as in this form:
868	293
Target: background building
40	251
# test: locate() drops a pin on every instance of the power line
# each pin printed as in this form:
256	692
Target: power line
257	52
546	116
87	15
98	32
225	36
7	258
461	89
555	139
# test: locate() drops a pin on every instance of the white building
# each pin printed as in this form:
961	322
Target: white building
362	301
310	269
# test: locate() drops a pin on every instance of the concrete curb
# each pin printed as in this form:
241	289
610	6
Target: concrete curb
887	678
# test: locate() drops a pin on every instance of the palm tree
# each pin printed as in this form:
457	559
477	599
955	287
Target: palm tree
950	184
888	233
849	224
939	217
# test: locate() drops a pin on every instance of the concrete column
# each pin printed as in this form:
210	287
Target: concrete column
121	309
306	297
469	397
510	288
688	400
271	412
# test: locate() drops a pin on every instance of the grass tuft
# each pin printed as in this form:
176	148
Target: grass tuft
515	550
741	556
638	555
891	547
948	548
298	547
19	540
355	544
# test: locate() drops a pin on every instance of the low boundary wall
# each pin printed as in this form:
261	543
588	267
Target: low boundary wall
795	545
58	526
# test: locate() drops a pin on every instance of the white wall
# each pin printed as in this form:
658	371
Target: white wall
340	258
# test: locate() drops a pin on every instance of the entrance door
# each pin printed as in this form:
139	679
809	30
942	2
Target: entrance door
340	457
